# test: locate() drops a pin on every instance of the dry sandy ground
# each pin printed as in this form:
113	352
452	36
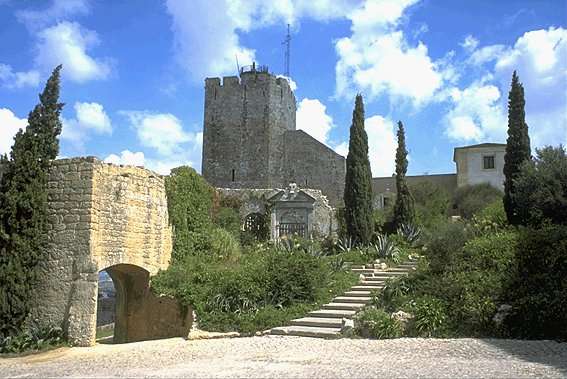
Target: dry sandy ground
299	357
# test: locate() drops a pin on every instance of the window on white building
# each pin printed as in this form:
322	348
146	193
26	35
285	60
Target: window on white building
488	162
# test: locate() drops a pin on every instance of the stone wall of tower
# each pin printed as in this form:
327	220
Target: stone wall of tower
311	164
244	124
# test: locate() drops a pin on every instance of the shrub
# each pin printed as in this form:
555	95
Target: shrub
431	203
538	291
429	317
224	244
491	219
376	323
540	188
228	219
33	337
471	199
189	203
393	295
444	242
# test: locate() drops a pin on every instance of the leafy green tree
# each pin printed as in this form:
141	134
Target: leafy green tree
358	181
517	147
540	188
403	209
23	206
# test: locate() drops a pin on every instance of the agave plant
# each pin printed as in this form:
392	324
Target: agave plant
345	245
385	248
410	233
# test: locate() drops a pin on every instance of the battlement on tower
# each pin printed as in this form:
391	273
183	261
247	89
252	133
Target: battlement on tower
248	78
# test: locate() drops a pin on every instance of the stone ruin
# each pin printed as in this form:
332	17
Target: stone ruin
113	218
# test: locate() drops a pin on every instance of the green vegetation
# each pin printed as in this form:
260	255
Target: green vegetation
432	203
189	203
471	199
32	338
375	323
404	213
23	211
358	181
540	190
517	147
266	287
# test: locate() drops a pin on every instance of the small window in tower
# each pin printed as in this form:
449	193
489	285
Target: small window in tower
305	183
233	175
215	93
281	94
488	162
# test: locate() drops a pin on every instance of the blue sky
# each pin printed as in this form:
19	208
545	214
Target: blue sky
133	72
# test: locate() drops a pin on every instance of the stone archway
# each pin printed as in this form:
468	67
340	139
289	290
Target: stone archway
114	218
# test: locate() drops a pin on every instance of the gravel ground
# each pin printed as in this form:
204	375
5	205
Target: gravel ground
299	357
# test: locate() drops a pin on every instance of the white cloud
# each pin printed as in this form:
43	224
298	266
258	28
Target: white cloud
377	58
160	131
9	126
470	43
57	11
126	157
19	79
90	118
67	43
540	57
476	114
312	118
206	38
164	133
382	144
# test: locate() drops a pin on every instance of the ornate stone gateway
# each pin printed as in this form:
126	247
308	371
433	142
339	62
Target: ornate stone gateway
291	212
113	218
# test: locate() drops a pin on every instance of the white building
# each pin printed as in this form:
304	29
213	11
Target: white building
476	164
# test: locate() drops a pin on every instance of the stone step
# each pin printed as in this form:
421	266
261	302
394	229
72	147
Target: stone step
397	269
357	293
374	284
306	331
319	322
354	299
344	306
333	313
373	279
366	287
362	270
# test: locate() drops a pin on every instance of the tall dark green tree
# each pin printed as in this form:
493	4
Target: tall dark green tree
358	180
23	205
517	147
404	212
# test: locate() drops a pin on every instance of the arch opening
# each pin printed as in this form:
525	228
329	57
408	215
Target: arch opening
118	316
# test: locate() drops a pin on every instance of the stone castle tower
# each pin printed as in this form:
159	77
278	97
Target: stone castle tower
250	140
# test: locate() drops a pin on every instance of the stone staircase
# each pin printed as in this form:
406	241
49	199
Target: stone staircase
327	322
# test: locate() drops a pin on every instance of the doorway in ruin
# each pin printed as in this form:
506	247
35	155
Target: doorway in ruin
122	289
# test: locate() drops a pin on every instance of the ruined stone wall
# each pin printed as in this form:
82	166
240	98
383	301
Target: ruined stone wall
311	164
244	122
99	215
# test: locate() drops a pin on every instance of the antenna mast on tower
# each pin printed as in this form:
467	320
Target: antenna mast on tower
287	43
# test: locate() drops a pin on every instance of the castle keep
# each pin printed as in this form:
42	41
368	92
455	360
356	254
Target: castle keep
250	138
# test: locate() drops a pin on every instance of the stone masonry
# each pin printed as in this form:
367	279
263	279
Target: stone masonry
113	218
250	138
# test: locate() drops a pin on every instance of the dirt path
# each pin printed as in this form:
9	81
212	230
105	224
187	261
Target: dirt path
277	356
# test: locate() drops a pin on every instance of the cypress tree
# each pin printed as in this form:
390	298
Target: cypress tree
517	147
23	206
358	180
403	209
